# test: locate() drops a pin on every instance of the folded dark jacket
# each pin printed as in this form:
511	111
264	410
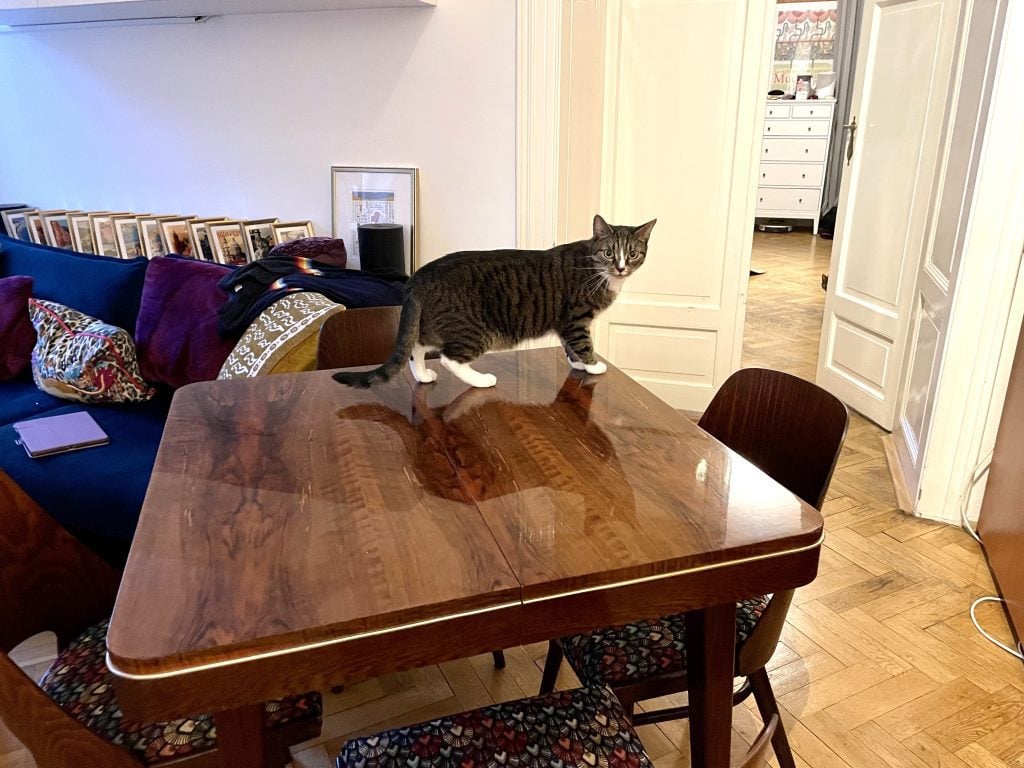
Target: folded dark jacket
256	286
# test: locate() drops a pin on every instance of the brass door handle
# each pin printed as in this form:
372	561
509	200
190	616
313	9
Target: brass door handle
851	127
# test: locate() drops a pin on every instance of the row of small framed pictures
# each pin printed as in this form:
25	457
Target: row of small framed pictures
129	235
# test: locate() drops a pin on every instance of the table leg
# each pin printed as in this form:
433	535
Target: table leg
240	739
711	654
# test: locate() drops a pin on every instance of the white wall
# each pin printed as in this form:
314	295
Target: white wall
242	116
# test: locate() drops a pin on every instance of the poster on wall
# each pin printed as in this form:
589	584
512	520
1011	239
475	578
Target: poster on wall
374	196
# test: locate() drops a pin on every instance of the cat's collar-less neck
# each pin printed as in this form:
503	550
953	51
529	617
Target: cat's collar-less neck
615	283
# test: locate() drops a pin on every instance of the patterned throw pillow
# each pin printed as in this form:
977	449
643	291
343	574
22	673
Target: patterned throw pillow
77	357
282	339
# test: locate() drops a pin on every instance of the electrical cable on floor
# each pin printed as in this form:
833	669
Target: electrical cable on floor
979	471
1013	652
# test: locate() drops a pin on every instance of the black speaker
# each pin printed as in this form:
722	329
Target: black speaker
381	248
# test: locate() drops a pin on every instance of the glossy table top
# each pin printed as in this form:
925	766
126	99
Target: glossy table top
288	510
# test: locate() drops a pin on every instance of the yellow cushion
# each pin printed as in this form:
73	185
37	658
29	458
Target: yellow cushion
282	339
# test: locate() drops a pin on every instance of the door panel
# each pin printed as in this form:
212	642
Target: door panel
968	98
692	164
903	70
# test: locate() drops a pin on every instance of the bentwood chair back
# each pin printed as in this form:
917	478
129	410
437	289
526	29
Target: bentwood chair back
793	431
357	337
51	582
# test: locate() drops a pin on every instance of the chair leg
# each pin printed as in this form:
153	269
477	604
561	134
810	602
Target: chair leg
765	698
551	665
499	659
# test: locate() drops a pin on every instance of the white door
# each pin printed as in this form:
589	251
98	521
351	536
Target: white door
684	99
903	71
964	129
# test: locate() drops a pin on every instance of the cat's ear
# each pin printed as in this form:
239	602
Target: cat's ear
643	232
601	227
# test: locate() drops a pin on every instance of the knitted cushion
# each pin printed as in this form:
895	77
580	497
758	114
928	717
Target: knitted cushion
77	357
282	339
582	728
645	648
81	684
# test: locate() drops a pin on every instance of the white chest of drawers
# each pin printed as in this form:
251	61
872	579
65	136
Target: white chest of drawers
794	149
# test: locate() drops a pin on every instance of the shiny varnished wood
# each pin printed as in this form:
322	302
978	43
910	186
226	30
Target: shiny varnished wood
289	510
312	530
589	481
357	337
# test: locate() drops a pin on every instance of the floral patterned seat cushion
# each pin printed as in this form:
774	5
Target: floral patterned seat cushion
81	684
637	651
582	728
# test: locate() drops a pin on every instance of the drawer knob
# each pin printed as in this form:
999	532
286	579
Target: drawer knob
764	175
806	151
760	199
769	129
766	150
799	199
802	175
808	129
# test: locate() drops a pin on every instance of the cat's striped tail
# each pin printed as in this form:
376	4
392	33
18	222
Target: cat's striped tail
408	333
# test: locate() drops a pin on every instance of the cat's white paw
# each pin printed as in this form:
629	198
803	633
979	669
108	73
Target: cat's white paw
426	376
576	364
597	367
485	380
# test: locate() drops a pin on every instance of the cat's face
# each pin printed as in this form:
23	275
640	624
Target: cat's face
619	250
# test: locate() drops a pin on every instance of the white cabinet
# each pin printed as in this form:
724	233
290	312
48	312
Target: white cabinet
794	148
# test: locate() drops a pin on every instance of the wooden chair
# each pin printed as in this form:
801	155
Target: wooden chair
756	752
51	582
358	337
792	430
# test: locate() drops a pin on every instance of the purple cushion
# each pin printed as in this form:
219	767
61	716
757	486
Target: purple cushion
17	336
327	250
177	335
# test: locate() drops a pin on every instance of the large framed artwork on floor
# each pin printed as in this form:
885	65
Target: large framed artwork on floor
374	196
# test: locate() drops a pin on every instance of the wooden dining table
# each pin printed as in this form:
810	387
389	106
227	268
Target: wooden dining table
298	534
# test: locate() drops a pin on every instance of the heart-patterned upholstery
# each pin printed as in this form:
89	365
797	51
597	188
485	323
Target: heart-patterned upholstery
644	649
81	684
581	728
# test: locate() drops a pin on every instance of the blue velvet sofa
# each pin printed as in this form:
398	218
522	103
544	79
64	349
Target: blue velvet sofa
96	493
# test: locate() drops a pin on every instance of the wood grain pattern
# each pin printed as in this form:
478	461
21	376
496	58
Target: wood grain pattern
288	510
367	513
569	472
357	337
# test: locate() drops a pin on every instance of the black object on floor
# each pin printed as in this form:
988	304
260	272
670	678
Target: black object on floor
824	282
754	271
827	224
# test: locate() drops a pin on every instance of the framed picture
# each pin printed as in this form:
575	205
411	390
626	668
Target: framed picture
176	236
259	237
16	223
103	238
803	87
126	229
152	236
202	245
37	226
228	241
57	228
374	196
81	233
292	230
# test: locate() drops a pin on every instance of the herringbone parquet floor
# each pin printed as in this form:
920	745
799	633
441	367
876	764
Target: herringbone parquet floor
879	664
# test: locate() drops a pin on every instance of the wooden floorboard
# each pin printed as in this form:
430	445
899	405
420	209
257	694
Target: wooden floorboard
879	664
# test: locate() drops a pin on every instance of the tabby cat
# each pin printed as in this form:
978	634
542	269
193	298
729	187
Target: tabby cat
470	302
